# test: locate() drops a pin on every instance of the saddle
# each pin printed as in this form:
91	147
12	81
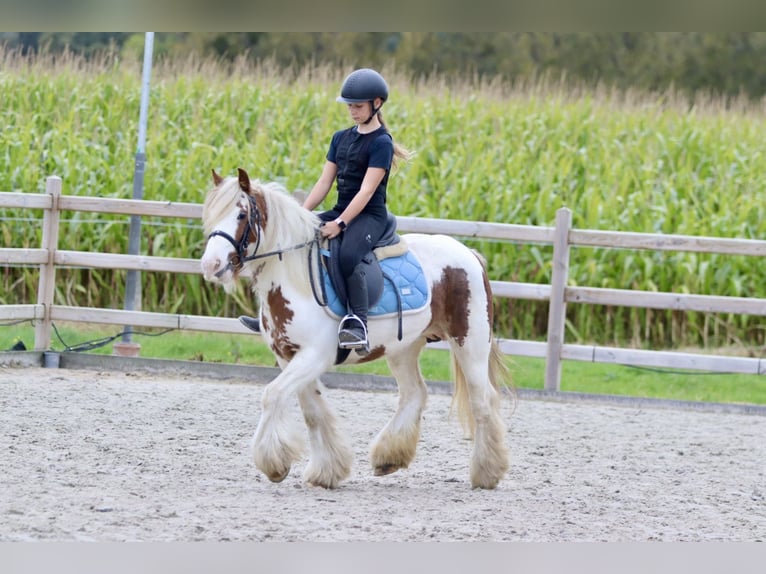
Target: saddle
387	244
395	280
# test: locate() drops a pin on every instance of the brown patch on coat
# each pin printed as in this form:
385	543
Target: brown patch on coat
245	205
246	185
255	271
234	259
449	306
260	204
374	354
282	316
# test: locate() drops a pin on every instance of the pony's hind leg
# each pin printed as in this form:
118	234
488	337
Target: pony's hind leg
395	445
330	458
477	367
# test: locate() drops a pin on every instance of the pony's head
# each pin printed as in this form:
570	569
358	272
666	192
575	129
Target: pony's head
245	223
232	222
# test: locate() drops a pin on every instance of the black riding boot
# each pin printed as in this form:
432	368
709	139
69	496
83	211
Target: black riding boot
352	333
251	323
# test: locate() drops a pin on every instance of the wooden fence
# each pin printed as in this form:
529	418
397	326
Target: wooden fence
562	237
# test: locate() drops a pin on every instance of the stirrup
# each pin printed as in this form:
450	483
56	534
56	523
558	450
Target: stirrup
352	334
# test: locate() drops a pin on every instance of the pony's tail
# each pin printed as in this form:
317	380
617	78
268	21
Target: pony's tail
499	377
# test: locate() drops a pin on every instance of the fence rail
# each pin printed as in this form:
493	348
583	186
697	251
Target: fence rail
562	237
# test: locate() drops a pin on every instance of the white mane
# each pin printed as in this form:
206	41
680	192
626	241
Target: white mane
288	223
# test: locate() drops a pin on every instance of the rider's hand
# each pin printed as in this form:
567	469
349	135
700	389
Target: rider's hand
330	229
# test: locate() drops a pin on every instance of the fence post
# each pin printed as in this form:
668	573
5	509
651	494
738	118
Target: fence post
47	283
557	305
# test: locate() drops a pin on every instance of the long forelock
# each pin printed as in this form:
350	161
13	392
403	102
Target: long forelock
218	203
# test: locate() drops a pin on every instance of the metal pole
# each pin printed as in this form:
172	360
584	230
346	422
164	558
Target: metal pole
133	284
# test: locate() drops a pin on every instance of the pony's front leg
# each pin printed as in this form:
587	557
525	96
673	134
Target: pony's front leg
331	457
277	442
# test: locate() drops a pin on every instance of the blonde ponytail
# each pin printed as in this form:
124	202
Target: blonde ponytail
401	153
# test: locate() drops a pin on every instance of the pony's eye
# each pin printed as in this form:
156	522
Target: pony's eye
241	215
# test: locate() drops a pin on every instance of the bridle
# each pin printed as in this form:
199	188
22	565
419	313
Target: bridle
240	246
254	226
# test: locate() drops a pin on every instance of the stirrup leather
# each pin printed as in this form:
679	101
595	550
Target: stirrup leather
348	338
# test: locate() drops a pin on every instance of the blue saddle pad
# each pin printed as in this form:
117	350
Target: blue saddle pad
407	276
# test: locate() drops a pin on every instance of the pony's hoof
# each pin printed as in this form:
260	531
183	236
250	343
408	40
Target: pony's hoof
485	486
385	469
486	483
278	477
326	482
318	484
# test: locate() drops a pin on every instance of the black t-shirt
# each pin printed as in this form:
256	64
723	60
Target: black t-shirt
353	153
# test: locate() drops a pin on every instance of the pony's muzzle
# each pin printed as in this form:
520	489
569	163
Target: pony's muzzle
212	268
218	274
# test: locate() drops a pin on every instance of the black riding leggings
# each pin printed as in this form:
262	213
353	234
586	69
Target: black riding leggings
358	238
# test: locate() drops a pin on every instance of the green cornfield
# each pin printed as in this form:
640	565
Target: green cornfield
485	151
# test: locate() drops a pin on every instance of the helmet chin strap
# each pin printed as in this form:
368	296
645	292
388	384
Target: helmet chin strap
374	111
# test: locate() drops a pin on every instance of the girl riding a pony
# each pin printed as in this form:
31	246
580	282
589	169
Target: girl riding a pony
359	162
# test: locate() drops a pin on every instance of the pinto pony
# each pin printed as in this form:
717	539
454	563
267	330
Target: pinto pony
258	232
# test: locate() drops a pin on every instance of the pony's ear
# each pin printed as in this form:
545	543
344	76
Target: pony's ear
217	179
244	180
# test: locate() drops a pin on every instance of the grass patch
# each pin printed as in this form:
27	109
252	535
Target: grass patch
528	372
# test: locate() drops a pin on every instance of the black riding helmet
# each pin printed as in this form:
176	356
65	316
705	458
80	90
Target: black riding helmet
363	85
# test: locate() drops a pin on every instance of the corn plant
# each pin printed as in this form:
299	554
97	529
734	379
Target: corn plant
485	151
